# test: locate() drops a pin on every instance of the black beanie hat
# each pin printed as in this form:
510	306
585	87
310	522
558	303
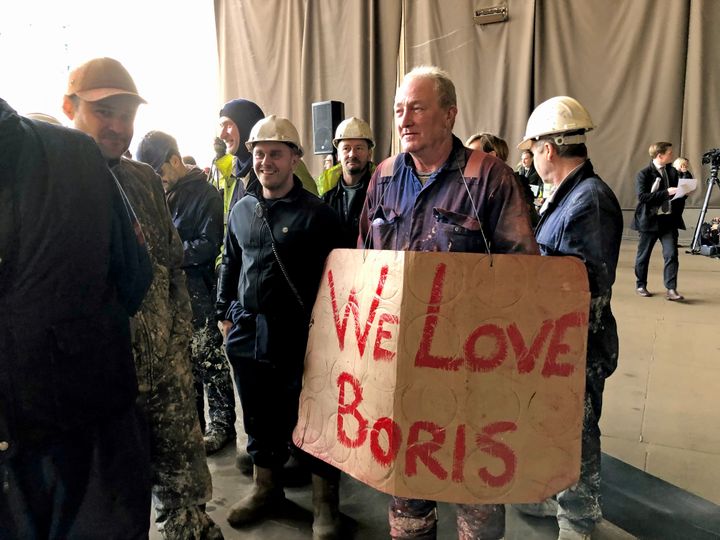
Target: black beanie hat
156	148
245	114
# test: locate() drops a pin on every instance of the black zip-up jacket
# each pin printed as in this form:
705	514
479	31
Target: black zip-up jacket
348	205
196	208
305	231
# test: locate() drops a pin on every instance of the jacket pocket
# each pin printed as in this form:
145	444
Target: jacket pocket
458	232
384	229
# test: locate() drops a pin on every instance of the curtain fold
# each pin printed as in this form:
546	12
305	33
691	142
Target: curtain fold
491	65
701	104
287	54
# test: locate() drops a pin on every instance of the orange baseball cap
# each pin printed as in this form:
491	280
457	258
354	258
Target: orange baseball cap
100	78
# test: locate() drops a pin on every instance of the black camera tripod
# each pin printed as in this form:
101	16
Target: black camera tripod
712	157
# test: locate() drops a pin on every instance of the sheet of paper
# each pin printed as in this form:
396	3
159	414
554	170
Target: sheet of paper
685	186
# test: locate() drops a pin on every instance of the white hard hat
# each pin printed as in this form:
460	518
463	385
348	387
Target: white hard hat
353	128
557	115
274	128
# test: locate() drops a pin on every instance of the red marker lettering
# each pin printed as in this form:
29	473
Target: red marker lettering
352	305
526	358
424	450
490	446
394	435
556	347
424	358
378	352
490	362
458	474
344	408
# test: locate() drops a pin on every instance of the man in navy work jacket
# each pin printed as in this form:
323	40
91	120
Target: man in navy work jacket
581	218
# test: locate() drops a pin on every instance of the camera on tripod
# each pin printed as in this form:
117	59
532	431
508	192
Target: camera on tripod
712	157
706	244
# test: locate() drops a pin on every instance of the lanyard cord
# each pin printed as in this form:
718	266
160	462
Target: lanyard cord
261	212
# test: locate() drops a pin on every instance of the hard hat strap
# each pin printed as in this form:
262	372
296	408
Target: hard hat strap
564	140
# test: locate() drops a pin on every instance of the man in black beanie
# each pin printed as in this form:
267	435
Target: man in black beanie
237	117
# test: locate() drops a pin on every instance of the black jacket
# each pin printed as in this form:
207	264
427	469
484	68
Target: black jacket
72	270
339	198
270	323
196	208
305	231
646	213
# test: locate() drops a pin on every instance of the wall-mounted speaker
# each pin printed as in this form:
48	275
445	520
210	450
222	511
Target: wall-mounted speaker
326	115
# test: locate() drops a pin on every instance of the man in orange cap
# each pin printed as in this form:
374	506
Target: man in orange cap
71	273
101	100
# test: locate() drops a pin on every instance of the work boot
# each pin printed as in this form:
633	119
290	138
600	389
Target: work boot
244	462
326	512
546	508
216	439
265	497
295	472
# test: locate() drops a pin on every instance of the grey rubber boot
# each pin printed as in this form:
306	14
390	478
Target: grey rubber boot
265	497
326	511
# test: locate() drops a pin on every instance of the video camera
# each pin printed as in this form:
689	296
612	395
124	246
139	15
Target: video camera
712	157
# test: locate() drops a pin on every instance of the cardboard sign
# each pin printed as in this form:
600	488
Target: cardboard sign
454	377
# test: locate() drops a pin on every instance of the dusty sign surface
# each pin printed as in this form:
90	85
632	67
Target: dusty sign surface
452	377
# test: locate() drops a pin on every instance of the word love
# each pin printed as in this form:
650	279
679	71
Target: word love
485	348
424	440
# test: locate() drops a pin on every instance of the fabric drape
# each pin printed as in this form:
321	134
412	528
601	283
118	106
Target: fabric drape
647	70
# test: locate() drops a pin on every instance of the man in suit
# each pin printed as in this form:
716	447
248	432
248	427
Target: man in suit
658	217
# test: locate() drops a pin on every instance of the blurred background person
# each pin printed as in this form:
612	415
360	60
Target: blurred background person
197	213
682	166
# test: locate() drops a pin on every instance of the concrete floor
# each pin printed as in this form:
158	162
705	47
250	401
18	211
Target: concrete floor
657	409
661	408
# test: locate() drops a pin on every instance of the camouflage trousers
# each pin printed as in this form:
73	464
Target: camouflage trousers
180	477
417	519
211	374
579	505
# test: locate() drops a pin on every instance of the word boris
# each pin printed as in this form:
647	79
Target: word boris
494	340
418	447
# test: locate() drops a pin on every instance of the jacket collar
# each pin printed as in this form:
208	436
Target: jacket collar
255	189
571	181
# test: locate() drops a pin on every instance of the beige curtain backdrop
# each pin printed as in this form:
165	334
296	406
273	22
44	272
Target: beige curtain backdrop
701	105
647	70
625	61
287	54
491	65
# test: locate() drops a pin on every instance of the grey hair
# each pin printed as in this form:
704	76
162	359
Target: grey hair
443	84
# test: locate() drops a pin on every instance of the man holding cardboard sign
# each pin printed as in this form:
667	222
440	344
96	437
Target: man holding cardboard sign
580	206
440	196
